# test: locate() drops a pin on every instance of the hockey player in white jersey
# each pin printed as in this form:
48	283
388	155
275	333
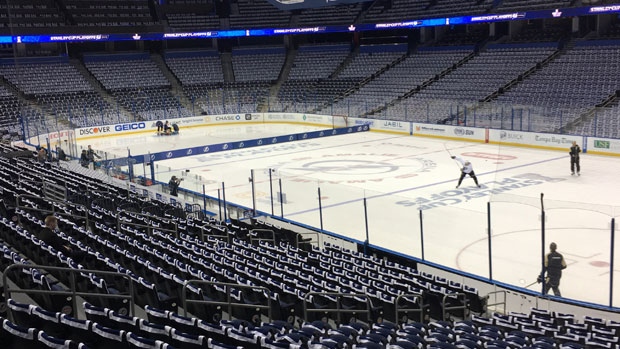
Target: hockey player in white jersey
466	169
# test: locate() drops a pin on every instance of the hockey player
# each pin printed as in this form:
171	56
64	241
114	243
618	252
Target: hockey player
554	264
574	159
466	169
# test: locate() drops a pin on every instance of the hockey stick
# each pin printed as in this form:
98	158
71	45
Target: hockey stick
542	203
448	150
532	284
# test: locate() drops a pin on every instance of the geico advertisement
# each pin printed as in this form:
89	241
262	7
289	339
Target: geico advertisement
110	129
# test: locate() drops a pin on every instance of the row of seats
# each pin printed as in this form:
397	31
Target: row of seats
120	251
400	79
143	91
189	332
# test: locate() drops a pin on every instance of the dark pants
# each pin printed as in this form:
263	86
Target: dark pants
574	162
471	174
553	284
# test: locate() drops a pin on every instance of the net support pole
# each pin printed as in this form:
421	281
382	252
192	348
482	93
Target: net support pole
320	209
129	167
253	192
490	244
421	233
366	223
542	238
152	168
611	262
271	190
219	203
49	149
224	202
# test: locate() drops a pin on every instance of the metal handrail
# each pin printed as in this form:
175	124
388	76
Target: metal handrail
299	238
72	288
338	310
259	239
403	310
503	303
446	309
228	303
53	210
149	228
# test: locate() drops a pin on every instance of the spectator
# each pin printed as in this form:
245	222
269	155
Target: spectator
42	155
51	238
174	185
84	158
61	154
91	156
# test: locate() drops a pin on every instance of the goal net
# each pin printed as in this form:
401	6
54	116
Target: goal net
340	121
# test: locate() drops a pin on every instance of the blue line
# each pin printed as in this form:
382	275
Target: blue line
236	159
420	187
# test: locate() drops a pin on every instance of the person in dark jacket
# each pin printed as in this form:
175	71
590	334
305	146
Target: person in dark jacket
91	157
49	236
574	159
62	156
554	264
42	155
84	158
167	128
174	185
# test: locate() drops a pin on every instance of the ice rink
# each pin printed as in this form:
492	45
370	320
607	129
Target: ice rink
399	192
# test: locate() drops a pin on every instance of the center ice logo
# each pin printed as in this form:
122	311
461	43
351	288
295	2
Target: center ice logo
358	168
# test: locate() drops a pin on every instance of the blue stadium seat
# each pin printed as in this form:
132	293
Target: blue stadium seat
17	337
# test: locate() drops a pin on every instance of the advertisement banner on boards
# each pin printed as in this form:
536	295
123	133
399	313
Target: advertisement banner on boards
450	132
605	146
534	139
382	125
138	126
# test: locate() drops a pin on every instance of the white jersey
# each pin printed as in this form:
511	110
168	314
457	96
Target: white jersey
466	166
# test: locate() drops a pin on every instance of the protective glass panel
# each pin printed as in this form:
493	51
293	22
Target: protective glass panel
300	198
394	222
582	234
343	209
455	236
516	230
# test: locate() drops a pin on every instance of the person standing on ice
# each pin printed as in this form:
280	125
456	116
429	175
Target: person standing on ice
466	169
574	159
